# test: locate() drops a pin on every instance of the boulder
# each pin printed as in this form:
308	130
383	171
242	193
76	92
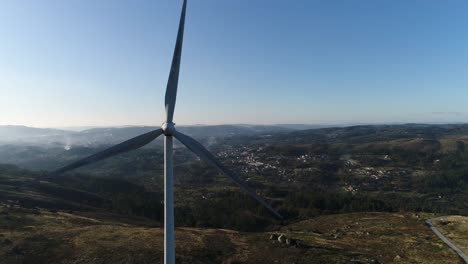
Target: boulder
274	237
291	242
282	239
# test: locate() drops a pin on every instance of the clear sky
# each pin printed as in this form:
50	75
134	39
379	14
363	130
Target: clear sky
106	62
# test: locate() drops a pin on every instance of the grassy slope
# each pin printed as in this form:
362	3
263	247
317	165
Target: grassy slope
40	236
387	237
456	229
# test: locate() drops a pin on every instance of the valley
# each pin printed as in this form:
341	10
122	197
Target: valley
348	194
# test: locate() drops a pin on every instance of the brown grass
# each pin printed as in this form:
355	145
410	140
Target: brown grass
39	236
456	229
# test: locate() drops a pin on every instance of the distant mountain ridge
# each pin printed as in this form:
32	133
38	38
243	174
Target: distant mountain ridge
372	133
297	132
112	135
14	133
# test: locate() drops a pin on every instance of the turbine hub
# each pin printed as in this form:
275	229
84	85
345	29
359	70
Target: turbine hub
168	128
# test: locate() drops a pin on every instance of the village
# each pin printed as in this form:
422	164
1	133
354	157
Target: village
351	174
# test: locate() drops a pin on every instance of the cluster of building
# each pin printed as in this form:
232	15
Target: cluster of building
289	169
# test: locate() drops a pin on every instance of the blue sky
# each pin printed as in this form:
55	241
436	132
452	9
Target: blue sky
87	63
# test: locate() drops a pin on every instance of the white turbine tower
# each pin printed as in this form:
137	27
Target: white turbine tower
169	131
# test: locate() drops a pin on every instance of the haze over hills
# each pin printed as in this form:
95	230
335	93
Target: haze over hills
112	135
43	148
19	133
89	136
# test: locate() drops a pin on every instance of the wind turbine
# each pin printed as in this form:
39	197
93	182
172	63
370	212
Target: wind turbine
169	131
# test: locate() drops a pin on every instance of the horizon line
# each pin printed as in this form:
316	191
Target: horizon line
338	124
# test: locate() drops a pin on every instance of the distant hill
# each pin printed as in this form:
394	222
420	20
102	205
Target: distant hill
39	148
371	133
112	135
24	133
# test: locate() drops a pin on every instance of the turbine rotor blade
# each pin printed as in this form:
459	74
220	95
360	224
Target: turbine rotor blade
131	144
171	89
205	155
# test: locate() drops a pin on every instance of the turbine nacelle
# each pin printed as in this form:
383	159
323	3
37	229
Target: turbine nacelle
168	128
